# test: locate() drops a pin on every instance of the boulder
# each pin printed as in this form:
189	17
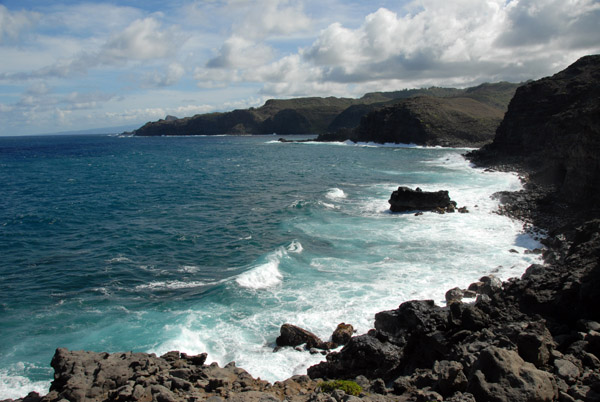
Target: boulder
292	335
454	295
406	199
342	334
363	355
501	375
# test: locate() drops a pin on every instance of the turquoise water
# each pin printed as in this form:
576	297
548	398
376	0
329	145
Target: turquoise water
209	244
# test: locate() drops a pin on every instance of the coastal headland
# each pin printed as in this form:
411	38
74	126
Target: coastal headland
536	338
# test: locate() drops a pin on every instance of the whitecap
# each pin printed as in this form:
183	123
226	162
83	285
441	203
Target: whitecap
118	259
264	275
188	269
160	285
335	194
295	247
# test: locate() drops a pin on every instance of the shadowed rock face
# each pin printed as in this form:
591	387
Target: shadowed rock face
406	199
552	127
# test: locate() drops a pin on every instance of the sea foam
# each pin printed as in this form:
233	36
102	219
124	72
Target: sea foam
263	275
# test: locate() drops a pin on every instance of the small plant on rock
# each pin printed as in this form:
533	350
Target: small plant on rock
349	387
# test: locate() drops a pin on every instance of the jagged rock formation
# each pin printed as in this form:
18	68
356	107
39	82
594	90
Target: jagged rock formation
552	129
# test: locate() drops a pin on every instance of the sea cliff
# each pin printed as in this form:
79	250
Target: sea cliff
536	338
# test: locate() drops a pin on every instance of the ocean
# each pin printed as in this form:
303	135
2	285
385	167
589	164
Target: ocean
210	244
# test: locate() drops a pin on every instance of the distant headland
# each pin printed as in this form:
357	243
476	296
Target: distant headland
431	116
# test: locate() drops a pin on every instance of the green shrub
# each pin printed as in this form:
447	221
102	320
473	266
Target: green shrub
349	387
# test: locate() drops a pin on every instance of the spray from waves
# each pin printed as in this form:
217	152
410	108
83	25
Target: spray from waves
264	275
335	194
295	247
13	385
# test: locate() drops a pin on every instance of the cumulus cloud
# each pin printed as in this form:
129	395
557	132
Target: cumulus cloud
246	48
454	43
239	52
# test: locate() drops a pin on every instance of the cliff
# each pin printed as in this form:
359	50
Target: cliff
452	122
552	130
458	118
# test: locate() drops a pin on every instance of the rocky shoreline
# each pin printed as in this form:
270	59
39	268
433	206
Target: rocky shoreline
531	339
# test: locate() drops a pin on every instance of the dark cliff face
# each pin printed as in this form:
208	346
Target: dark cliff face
552	128
451	122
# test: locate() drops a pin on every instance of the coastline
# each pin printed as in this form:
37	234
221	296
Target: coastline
376	382
535	338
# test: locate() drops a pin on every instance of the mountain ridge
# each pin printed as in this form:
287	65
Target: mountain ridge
313	115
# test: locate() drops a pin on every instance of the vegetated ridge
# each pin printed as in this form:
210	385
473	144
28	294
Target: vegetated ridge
486	103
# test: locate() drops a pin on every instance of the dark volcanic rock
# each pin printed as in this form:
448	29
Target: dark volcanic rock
406	199
342	334
500	375
452	122
552	128
363	355
100	377
291	335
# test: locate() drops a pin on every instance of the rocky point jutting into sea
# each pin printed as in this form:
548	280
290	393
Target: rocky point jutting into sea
536	338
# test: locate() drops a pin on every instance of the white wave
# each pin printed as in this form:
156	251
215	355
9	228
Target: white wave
13	385
118	259
264	275
158	285
188	269
335	194
295	247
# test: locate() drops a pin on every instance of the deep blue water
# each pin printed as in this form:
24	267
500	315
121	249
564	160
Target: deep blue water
209	244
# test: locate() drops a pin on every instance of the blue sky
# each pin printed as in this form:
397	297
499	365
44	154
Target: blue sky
70	65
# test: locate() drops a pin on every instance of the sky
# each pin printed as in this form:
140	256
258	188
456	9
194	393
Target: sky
71	65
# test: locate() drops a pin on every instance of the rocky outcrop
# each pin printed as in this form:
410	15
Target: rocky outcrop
292	335
174	377
552	130
406	199
450	122
529	339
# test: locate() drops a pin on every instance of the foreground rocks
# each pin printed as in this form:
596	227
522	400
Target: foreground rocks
529	339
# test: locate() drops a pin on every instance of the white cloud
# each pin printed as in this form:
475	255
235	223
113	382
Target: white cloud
13	23
272	17
239	52
171	76
141	40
